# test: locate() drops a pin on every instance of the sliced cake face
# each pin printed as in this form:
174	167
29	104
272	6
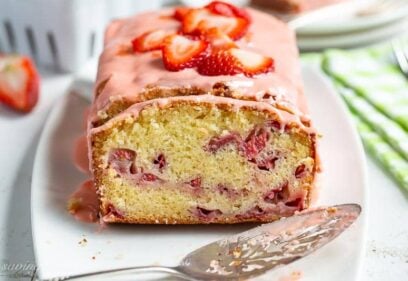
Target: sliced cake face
207	124
201	162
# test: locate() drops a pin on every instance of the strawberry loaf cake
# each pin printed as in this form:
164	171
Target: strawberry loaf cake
199	117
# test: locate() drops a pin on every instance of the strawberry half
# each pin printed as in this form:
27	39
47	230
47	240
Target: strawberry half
228	10
180	52
151	40
235	61
19	82
180	13
199	21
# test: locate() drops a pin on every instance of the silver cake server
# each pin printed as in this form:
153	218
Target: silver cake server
258	250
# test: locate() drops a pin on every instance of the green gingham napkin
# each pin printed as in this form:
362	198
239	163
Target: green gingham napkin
377	94
395	164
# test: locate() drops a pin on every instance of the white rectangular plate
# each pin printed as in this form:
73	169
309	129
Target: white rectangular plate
57	236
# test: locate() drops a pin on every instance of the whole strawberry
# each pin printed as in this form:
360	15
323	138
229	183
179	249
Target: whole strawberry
19	82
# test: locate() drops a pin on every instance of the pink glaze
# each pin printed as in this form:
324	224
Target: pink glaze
129	74
80	154
84	203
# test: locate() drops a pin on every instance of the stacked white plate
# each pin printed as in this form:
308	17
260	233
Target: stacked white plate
353	29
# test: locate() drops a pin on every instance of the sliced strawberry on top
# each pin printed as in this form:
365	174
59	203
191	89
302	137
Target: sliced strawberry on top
235	61
199	21
180	52
228	10
151	40
218	63
19	82
251	63
180	13
219	40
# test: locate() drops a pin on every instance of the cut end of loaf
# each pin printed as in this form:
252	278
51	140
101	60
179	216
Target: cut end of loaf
193	163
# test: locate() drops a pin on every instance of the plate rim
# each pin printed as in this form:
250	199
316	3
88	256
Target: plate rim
47	127
361	157
354	25
349	39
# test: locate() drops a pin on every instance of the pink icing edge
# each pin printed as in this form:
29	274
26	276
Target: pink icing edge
130	74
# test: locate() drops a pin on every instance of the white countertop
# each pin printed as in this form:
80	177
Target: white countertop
387	240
